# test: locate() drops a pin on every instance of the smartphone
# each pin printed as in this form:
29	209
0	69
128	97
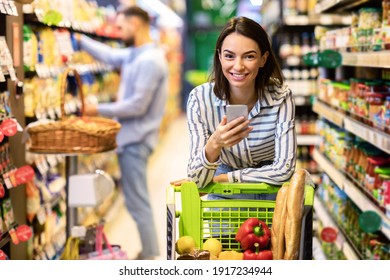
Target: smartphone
235	111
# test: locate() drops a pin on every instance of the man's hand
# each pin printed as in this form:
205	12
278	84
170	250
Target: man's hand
90	110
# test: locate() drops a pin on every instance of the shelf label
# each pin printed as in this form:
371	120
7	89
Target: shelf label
329	234
24	174
9	127
24	233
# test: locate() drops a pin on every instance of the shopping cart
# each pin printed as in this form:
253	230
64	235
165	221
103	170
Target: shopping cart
202	218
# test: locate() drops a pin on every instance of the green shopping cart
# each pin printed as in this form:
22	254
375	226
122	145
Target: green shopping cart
200	218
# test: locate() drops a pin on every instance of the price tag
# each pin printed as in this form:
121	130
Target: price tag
24	174
24	233
370	221
329	234
9	127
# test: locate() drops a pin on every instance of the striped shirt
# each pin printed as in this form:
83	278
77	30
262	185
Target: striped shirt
267	155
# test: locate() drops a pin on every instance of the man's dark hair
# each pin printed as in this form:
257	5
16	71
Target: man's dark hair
135	11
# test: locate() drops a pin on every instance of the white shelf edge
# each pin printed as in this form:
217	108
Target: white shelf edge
329	113
366	205
367	59
323	19
380	139
308	140
341	242
329	168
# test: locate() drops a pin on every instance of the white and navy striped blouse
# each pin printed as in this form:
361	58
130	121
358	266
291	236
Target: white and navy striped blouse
272	141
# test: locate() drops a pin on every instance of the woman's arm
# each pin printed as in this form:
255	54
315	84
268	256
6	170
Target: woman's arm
206	146
283	165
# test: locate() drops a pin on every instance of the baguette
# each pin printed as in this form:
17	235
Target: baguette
295	198
278	223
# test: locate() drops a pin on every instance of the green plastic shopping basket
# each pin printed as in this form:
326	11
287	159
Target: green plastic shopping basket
202	218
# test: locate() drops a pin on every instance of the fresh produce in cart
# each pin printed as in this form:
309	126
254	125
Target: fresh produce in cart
253	231
243	229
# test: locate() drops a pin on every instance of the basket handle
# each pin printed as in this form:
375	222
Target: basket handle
71	71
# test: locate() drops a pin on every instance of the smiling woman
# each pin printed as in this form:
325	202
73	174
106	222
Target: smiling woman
257	148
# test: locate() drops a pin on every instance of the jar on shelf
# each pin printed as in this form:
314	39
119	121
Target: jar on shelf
344	91
361	106
376	114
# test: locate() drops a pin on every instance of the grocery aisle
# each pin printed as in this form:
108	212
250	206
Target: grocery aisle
168	163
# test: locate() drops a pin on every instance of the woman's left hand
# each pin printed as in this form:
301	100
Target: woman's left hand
222	178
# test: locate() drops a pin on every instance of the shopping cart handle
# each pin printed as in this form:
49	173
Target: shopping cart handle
238	188
243	188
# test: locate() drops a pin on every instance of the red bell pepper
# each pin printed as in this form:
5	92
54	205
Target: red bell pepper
257	254
253	231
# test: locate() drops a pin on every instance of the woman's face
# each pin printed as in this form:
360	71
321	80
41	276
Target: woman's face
241	59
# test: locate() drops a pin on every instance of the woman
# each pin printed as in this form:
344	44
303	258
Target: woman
259	148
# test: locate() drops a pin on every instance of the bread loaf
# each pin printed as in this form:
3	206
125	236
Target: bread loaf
278	223
295	198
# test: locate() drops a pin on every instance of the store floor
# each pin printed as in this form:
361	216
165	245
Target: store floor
168	163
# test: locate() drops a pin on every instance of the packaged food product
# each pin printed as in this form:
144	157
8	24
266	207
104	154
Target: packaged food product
376	114
370	18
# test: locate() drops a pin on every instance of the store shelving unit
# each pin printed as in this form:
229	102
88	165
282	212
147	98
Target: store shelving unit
341	242
341	5
11	29
368	133
355	192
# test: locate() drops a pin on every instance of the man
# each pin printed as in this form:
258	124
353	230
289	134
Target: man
139	108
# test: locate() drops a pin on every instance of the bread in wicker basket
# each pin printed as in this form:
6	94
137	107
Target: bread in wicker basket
72	134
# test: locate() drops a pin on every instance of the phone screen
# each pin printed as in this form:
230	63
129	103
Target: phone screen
235	111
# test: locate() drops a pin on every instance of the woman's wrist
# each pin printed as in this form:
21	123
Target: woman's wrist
212	150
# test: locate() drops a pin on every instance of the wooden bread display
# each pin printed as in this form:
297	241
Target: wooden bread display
287	219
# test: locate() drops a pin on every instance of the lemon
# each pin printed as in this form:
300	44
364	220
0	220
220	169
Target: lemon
185	244
213	245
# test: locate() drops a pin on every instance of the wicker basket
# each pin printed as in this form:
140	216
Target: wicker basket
73	134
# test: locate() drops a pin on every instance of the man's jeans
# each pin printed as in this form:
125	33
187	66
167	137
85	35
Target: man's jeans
133	164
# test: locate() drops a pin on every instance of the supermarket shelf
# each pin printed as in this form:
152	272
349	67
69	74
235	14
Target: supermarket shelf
329	113
308	140
379	59
372	135
329	168
323	19
339	5
341	242
359	198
